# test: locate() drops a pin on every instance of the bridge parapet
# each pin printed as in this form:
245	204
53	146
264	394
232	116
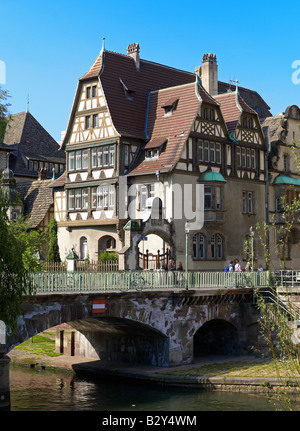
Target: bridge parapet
77	282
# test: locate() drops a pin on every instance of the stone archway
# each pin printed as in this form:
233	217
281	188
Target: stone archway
217	337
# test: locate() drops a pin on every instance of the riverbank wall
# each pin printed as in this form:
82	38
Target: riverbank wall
97	370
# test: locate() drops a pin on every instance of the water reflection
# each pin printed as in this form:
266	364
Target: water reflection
57	390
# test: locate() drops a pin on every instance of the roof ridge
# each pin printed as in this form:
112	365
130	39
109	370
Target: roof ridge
172	87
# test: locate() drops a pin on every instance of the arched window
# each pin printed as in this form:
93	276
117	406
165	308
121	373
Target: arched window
199	246
107	242
216	246
83	247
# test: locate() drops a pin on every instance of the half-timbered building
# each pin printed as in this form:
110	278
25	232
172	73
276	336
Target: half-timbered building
142	140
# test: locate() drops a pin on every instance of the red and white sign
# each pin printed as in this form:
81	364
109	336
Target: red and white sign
99	306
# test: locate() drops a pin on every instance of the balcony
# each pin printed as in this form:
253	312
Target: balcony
214	216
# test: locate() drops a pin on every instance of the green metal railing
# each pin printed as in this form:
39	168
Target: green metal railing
77	282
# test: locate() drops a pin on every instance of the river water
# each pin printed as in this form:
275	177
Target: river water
58	390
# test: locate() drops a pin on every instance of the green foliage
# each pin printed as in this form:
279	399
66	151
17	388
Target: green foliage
3	112
13	272
105	256
32	243
53	252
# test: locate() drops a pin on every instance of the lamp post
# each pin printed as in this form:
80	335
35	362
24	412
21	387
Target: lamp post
251	232
187	231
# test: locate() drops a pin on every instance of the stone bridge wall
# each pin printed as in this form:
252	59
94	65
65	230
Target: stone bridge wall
151	328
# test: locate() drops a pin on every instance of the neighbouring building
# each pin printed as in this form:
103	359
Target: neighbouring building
26	148
283	181
142	141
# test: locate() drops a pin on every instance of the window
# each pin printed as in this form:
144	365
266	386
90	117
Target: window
145	192
94	91
199	246
216	246
95	120
78	199
152	154
103	196
71	199
213	197
208	114
208	197
170	107
209	151
126	155
77	160
88	92
87	122
111	155
248	202
85	159
247	122
103	156
286	163
83	247
246	158
291	196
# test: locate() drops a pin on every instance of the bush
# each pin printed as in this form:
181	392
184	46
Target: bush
107	256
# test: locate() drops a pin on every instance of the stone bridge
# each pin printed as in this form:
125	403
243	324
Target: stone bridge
161	328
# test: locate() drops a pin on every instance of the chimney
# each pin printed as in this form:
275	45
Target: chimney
208	73
133	50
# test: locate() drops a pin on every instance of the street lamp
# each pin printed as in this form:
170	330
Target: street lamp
251	233
187	231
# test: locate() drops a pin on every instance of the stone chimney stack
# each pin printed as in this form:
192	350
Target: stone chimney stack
133	50
208	73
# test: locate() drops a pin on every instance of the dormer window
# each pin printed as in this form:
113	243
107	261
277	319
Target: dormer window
208	114
169	107
152	154
128	93
247	123
154	147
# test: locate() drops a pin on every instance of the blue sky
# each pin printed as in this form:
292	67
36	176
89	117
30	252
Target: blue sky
46	46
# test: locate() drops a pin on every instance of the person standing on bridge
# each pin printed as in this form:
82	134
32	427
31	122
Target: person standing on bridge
237	266
171	265
180	273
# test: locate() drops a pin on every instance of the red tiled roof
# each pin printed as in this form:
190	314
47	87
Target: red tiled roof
231	108
175	128
128	116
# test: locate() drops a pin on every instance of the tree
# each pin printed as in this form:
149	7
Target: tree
279	316
32	243
53	253
3	112
14	280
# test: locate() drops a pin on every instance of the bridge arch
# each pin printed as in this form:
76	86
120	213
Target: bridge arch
114	338
216	336
122	340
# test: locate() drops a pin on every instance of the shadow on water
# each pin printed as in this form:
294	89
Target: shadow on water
57	390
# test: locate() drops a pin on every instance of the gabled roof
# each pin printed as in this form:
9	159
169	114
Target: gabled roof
174	128
117	72
37	198
232	105
251	97
27	139
128	116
